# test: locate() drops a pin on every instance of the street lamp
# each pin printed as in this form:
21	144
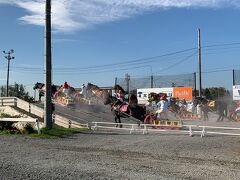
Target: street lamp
8	57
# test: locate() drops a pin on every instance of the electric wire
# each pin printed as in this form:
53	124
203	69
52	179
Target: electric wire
133	64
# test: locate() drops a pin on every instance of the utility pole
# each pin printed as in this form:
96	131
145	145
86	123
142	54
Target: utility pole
8	57
233	78
195	84
151	77
199	64
48	68
151	81
115	82
127	77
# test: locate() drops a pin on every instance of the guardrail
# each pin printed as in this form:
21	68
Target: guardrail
67	123
8	101
33	109
146	128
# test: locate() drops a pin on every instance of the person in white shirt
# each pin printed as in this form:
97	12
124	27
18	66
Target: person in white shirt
84	91
162	108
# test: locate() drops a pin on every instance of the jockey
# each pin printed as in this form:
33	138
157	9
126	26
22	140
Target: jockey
119	95
66	88
65	85
162	108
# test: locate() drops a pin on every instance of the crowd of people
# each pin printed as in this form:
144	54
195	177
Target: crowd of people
198	106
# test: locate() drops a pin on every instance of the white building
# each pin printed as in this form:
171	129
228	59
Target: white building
142	94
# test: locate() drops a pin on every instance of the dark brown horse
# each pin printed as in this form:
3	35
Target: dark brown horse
120	108
126	109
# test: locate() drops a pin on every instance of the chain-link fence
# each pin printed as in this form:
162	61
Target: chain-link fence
157	81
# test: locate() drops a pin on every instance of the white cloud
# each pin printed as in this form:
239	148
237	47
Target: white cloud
72	15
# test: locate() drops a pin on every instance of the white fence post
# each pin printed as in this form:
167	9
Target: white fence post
15	102
132	129
145	129
94	126
38	128
29	106
190	131
70	123
203	132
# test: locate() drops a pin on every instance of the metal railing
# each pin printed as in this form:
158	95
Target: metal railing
33	109
23	120
147	128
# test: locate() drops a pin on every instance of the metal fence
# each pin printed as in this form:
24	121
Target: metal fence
185	129
157	81
33	109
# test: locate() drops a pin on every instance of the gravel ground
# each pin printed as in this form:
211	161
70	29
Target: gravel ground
119	155
111	155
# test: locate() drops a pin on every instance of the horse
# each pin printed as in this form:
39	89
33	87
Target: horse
126	110
71	92
119	108
41	89
94	91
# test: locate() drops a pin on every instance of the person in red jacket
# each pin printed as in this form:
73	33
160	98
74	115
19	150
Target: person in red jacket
66	89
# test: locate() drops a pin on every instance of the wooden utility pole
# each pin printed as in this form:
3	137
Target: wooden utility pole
127	77
199	64
195	84
115	82
151	81
48	68
233	78
9	58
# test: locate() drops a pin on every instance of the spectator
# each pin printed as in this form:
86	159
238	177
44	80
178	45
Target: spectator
220	109
84	91
225	107
184	102
205	111
199	109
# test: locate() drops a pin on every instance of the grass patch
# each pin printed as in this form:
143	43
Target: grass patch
5	115
47	133
8	132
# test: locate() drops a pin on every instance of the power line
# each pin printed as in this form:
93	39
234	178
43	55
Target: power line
224	44
223	70
113	65
179	62
137	63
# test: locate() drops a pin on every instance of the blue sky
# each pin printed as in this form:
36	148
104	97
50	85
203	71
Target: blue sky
91	38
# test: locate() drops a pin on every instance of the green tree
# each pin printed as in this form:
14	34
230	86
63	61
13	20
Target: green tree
16	90
207	94
215	93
